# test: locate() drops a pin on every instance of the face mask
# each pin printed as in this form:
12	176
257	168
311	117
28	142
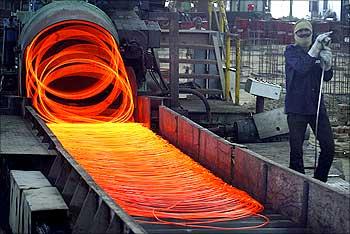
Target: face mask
304	42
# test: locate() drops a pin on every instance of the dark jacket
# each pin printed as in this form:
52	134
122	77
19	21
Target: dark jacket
303	78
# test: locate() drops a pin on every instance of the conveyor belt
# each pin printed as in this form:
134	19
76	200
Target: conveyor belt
65	174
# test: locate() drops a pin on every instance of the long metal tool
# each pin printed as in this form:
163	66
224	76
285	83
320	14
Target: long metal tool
317	117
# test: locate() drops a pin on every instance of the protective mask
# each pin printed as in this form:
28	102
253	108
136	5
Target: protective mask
304	42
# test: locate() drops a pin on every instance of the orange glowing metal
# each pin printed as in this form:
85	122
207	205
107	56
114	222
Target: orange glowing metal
58	60
78	84
150	178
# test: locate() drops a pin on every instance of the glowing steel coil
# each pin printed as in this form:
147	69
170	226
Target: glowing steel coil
151	178
74	73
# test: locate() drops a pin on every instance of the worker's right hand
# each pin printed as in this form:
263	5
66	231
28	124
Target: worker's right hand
319	44
326	59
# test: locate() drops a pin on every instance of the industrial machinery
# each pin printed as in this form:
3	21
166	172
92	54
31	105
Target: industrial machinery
79	63
137	39
135	36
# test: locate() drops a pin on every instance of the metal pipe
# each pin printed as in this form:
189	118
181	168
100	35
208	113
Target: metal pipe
228	65
222	23
216	18
201	96
174	59
210	14
238	70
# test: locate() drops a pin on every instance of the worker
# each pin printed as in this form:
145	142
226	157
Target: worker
197	54
198	23
304	64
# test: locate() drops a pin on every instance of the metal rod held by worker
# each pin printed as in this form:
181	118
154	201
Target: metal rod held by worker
317	116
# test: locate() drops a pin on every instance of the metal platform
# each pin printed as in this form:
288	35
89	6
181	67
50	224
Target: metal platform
16	138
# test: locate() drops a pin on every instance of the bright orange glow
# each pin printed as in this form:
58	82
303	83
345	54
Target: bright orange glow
79	86
72	64
149	177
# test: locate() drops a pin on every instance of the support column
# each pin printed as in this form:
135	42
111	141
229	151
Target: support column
174	58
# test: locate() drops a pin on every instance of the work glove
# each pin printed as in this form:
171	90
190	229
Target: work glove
319	44
326	59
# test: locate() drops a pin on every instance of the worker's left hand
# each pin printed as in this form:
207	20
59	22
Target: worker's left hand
321	42
326	58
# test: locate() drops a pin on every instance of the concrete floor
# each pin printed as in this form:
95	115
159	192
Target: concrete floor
339	175
346	167
279	152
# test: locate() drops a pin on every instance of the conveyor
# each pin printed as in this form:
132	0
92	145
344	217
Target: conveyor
92	210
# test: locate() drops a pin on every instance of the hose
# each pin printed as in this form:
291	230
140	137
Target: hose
201	96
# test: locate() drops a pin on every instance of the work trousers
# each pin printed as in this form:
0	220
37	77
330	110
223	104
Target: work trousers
297	124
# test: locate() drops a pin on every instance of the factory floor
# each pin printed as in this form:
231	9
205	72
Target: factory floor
279	152
346	168
339	175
